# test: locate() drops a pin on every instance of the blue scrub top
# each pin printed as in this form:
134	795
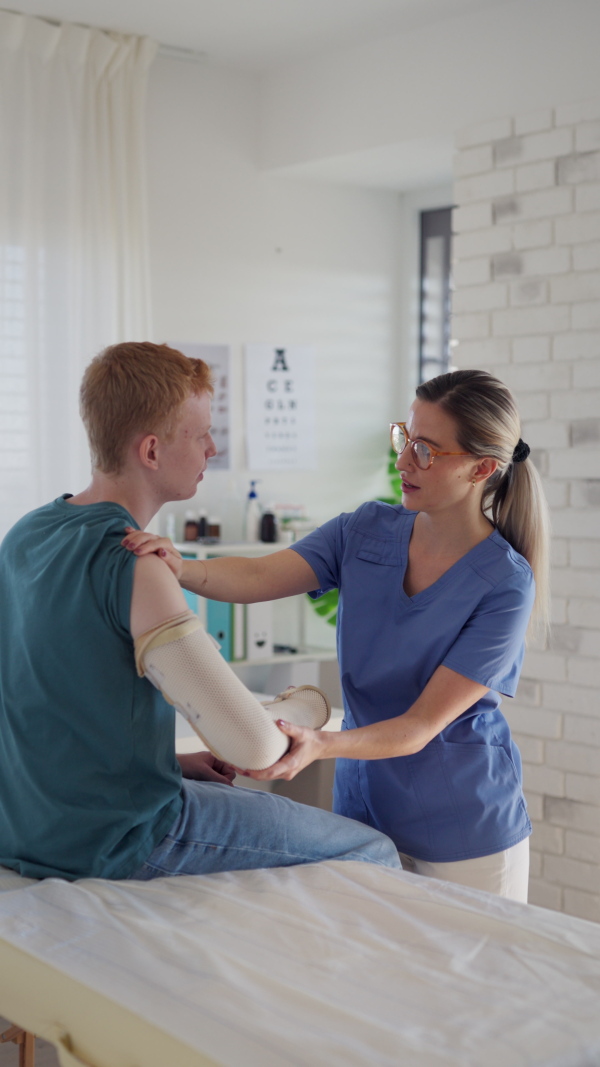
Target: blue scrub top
460	797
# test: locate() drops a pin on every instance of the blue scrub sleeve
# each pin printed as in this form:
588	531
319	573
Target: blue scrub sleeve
490	647
323	550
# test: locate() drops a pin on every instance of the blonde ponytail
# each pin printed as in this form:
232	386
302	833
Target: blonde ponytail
519	510
488	424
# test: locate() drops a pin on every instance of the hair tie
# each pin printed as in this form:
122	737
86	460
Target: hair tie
521	451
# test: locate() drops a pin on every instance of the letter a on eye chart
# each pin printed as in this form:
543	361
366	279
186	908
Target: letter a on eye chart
280	407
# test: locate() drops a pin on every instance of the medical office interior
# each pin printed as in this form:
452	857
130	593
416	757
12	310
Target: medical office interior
283	159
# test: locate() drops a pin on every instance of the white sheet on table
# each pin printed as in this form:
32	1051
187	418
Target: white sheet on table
336	963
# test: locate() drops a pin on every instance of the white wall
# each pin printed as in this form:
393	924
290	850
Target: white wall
240	256
416	89
241	253
526	306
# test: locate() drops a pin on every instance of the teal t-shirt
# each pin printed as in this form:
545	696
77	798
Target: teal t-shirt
89	781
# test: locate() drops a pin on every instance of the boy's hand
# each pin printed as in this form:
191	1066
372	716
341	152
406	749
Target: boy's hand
204	767
142	543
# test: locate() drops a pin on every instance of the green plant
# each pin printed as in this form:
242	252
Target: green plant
326	606
394	480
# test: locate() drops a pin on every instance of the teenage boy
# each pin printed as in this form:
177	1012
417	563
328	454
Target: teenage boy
90	785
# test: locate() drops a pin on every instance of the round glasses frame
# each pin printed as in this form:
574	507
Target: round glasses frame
422	452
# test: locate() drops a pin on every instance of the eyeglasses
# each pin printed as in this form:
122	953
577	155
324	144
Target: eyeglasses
422	453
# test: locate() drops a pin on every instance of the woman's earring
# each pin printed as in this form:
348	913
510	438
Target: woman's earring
473	482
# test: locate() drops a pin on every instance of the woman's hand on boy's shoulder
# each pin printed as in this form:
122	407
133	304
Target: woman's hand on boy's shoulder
142	543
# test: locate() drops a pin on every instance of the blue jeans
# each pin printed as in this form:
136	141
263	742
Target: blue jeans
228	828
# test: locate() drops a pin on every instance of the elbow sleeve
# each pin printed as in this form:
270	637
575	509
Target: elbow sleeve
180	659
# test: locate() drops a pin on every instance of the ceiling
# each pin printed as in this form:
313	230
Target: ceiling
259	35
254	34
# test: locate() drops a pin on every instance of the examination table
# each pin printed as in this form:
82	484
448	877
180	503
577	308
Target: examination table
339	963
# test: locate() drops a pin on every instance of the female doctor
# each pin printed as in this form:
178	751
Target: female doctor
435	600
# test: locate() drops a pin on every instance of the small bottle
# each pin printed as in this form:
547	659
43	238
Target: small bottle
202	524
190	530
253	514
268	525
171	527
213	528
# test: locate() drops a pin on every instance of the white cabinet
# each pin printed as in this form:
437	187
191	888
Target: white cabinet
298	633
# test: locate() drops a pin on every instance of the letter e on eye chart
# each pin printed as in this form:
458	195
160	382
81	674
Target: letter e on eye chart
280	407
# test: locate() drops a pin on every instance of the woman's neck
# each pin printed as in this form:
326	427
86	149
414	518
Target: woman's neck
451	533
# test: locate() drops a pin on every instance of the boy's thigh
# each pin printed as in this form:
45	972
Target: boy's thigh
224	828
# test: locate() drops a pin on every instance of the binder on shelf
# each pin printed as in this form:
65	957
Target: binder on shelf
218	623
259	630
239	631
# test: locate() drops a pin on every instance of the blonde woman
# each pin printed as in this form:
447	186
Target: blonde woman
435	601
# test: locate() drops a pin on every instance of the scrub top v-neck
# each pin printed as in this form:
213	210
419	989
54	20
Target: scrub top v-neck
461	796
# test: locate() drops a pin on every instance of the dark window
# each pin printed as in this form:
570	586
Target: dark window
434	326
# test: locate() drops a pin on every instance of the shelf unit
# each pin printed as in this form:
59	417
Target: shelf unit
294	622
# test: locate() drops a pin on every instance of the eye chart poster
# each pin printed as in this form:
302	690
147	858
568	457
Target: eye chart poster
217	357
280	407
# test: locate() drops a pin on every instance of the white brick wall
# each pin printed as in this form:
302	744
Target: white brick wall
527	307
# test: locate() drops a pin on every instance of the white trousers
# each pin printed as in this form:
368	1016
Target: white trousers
504	873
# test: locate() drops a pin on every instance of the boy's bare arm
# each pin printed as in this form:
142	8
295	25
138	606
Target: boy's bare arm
156	598
156	595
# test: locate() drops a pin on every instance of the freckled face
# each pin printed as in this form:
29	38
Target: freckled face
183	461
448	480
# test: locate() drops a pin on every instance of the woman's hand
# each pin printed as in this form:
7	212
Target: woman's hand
307	745
204	767
142	543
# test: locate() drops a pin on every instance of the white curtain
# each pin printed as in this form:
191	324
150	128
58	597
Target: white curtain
73	242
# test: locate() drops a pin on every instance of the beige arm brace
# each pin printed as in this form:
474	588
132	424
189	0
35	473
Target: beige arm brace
180	659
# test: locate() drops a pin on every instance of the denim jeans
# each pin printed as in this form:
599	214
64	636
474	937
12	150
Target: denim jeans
228	828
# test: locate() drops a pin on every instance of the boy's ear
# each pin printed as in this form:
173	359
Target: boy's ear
148	451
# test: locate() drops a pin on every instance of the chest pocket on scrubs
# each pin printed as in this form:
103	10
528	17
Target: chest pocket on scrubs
371	592
384	553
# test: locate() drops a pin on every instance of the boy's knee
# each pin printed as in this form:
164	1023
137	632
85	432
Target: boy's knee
390	853
381	849
371	846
